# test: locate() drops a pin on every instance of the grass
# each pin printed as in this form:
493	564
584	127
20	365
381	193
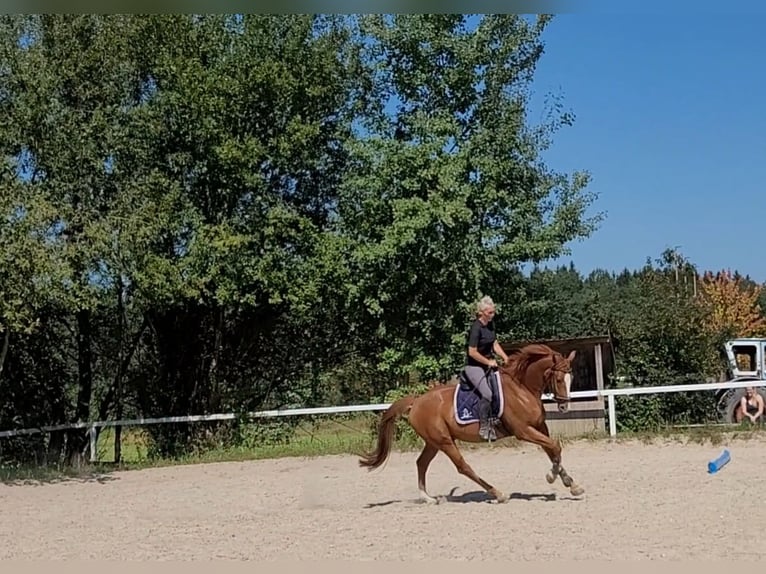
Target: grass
324	436
327	436
331	435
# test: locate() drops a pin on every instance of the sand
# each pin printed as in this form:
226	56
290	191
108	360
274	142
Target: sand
641	502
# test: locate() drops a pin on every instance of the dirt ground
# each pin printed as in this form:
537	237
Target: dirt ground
640	502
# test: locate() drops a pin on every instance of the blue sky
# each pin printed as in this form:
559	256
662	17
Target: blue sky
670	121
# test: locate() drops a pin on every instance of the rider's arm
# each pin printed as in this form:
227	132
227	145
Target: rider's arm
499	350
474	353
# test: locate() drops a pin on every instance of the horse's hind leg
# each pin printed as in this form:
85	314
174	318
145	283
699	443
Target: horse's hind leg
449	448
431	434
425	458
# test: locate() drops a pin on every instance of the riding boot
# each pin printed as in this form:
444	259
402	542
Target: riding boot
486	430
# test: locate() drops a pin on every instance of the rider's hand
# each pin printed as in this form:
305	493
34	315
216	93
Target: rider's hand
492	363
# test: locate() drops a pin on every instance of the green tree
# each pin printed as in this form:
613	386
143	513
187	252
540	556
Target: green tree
66	91
663	341
448	194
226	212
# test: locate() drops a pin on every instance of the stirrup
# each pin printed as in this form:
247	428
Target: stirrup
487	431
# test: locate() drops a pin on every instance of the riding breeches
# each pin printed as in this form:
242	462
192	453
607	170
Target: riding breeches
478	377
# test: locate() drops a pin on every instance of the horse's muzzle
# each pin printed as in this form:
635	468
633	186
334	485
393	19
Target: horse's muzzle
563	406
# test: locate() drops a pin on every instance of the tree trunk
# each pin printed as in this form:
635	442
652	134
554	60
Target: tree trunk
121	322
77	439
4	351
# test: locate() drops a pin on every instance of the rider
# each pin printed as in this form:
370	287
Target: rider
480	362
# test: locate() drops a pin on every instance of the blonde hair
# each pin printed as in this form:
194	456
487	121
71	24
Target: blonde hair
484	303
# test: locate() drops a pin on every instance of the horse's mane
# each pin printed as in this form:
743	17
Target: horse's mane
521	359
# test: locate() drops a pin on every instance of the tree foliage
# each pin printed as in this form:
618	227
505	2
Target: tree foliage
732	306
224	213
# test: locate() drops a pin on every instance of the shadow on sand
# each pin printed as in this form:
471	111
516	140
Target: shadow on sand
43	477
477	496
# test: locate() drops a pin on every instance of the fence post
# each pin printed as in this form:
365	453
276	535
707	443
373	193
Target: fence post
93	436
612	416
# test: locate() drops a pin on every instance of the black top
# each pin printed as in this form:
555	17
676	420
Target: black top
483	338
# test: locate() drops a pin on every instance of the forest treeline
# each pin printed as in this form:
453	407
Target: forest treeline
226	213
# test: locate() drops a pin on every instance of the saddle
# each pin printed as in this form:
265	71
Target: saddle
467	386
467	397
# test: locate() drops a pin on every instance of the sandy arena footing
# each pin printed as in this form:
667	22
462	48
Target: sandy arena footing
641	501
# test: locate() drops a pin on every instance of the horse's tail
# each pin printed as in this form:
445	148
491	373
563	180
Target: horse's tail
386	433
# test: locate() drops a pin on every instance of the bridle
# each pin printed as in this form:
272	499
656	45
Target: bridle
548	377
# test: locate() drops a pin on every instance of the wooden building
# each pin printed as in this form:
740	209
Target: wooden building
593	363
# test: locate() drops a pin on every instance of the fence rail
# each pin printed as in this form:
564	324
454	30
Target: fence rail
609	394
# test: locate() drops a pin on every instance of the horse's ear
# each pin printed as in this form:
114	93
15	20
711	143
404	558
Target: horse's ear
571	356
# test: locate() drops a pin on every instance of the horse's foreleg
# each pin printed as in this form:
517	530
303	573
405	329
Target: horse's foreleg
425	458
449	448
554	454
541	436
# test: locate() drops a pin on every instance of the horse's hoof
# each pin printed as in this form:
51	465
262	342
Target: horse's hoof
430	500
501	498
576	490
550	478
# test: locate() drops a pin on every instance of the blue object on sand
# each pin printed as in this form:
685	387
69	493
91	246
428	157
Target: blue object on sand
717	464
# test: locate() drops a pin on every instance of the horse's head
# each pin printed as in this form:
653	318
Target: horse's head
543	370
558	379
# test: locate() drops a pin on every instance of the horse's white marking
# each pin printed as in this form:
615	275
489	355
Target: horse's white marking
428	499
568	381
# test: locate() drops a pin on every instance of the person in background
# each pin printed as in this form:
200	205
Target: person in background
751	406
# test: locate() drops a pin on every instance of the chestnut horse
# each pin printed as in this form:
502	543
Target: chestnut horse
530	372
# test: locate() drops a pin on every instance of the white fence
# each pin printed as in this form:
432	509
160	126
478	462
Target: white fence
610	395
